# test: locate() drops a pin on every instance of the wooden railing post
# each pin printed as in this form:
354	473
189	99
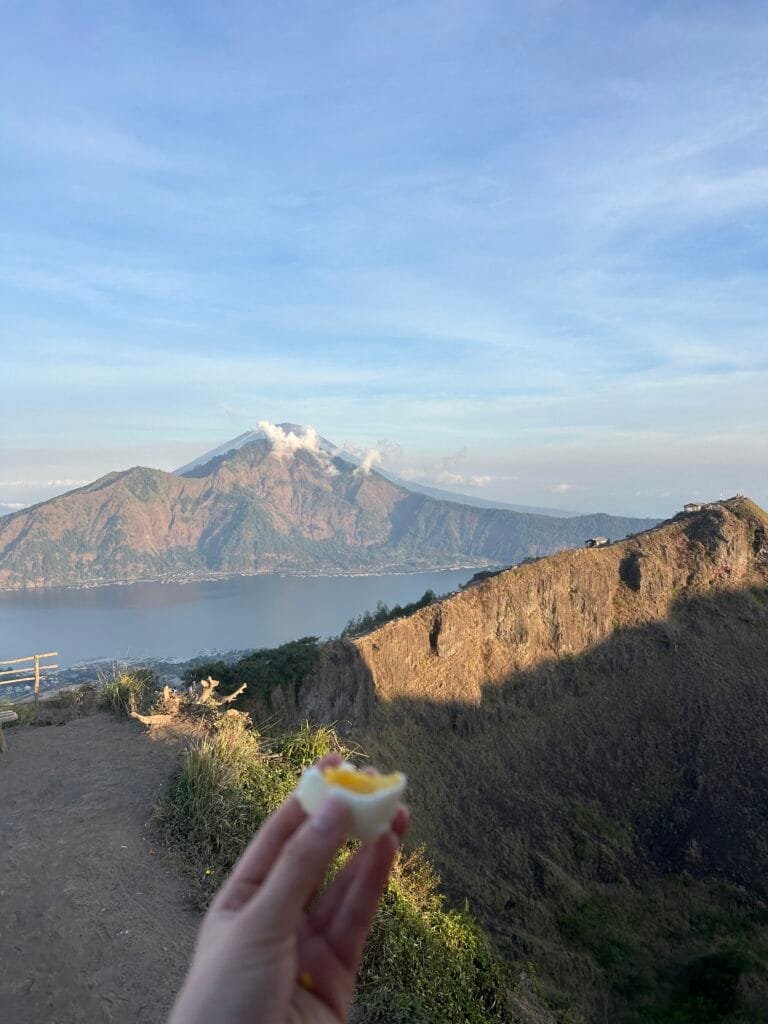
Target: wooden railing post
37	684
16	676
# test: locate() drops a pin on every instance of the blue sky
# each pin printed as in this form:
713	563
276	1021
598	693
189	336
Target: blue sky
524	242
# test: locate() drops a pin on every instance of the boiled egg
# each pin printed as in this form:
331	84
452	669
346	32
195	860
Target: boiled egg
372	798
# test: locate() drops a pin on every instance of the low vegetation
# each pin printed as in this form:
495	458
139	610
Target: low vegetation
676	950
261	670
61	707
128	691
25	712
425	963
383	613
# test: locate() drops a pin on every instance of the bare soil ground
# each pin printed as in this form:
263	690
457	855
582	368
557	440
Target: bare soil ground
95	922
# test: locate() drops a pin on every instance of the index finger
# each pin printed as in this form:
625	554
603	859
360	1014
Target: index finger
263	850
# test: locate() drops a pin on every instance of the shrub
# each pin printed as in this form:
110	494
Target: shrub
383	613
261	670
125	692
306	744
78	700
711	984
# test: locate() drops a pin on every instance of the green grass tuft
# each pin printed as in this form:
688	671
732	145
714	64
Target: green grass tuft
128	691
425	962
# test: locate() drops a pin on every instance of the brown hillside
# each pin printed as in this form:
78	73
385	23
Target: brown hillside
554	608
586	738
250	511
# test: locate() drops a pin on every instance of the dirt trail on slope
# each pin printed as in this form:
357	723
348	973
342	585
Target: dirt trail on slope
95	923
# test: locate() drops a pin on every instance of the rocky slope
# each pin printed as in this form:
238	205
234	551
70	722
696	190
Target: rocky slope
587	738
255	510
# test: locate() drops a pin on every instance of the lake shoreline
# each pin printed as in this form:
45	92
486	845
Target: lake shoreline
169	620
181	580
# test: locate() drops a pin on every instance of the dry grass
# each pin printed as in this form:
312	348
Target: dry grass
127	691
60	707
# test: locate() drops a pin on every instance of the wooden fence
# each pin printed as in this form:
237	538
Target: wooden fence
32	669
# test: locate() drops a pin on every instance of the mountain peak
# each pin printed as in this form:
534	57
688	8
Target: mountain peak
292	436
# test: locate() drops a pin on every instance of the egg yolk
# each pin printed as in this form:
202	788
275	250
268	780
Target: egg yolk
359	782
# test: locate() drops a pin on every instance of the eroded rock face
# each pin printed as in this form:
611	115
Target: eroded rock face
341	693
554	608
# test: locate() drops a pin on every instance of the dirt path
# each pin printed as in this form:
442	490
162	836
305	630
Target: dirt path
95	924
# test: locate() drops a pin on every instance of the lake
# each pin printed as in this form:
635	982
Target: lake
180	620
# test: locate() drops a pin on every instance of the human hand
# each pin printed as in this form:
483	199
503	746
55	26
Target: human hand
264	955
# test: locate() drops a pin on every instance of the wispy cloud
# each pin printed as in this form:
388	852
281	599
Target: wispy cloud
444	478
77	141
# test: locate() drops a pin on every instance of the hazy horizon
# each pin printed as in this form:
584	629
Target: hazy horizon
519	247
449	472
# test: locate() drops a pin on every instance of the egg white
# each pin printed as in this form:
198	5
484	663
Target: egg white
372	814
